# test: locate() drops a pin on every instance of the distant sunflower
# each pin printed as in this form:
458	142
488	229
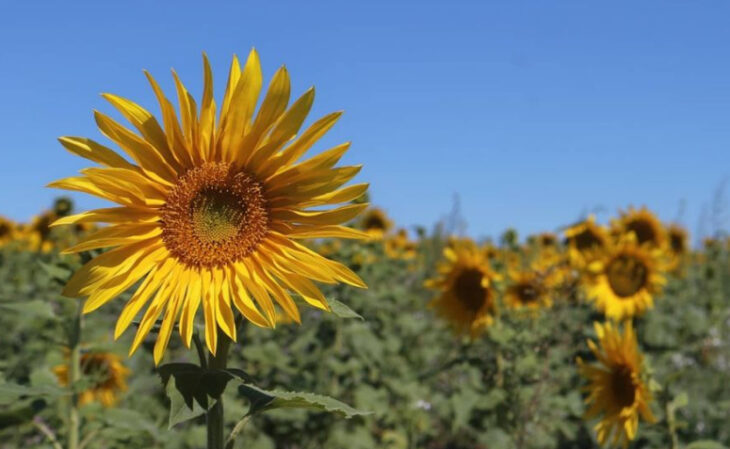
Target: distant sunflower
643	224
212	208
467	299
528	290
547	240
38	232
8	231
376	223
625	280
400	247
585	239
678	247
617	390
107	373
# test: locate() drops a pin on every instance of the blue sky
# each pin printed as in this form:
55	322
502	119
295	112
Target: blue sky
532	112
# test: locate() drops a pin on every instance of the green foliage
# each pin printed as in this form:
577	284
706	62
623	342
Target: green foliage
381	350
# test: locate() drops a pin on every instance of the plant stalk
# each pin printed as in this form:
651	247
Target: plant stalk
214	418
74	375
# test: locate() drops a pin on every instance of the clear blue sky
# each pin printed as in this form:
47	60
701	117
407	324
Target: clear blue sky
533	112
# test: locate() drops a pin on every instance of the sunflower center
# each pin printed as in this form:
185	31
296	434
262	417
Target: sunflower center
374	222
643	230
677	242
469	290
527	293
622	386
586	240
217	215
214	216
96	368
4	229
626	275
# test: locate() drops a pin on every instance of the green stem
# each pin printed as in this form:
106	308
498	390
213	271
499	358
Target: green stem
671	424
74	375
214	418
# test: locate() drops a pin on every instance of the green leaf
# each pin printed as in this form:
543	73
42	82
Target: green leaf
342	310
262	400
681	400
180	409
194	389
705	444
35	308
57	272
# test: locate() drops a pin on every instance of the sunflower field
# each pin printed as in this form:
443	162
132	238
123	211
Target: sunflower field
240	294
455	344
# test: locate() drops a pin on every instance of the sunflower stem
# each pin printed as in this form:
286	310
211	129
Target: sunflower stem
214	418
74	371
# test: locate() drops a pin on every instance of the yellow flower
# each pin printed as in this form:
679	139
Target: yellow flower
376	223
37	234
585	240
467	299
212	208
643	224
617	391
678	247
8	231
108	375
529	290
400	247
625	280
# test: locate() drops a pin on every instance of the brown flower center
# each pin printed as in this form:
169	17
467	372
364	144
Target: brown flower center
469	290
622	386
375	222
643	230
96	367
676	240
527	292
586	240
627	275
214	216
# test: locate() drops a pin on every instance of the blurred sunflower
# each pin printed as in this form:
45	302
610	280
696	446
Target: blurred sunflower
528	290
400	247
37	234
212	208
643	224
617	391
376	223
468	299
547	240
625	280
585	239
678	247
107	373
8	231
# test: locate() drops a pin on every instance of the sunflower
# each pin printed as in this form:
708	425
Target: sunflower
528	290
547	240
678	247
376	223
37	234
617	390
107	373
625	280
400	246
211	209
585	239
8	231
643	224
468	299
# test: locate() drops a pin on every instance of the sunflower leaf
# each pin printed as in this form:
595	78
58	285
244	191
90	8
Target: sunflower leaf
262	400
194	389
705	444
343	311
180	410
